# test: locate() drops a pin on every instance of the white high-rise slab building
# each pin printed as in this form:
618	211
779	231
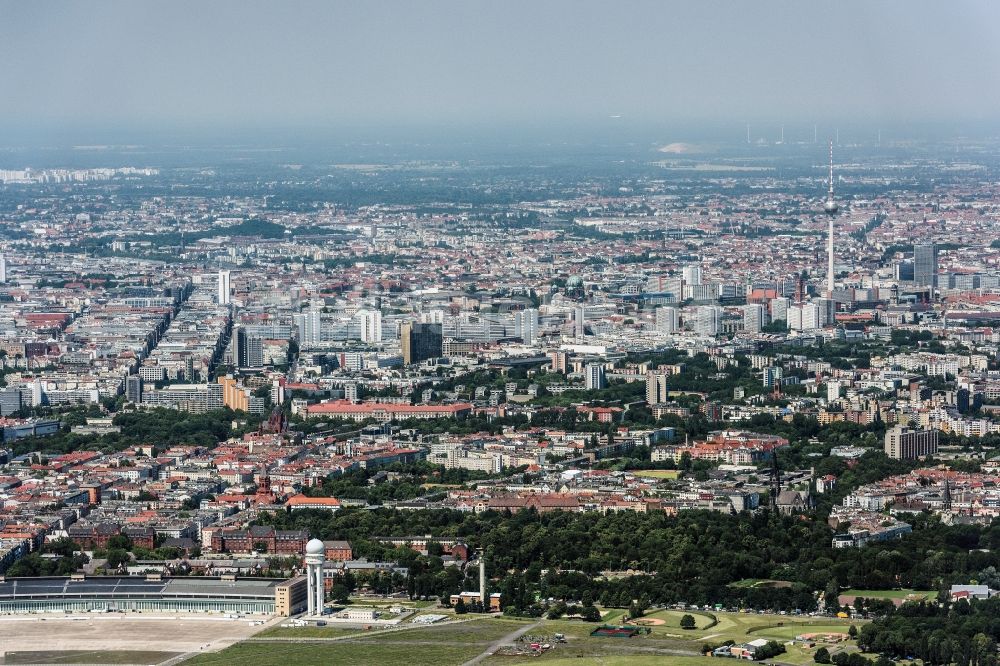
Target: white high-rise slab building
594	376
666	320
526	325
779	309
371	325
692	275
308	324
753	317
833	390
805	317
708	320
432	317
225	288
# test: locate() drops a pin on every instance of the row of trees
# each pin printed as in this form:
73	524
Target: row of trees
159	427
963	633
692	557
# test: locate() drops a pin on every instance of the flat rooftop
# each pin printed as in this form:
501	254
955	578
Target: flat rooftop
118	586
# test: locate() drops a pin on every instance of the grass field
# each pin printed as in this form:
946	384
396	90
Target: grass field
613	615
379	602
741	627
673	620
436	645
452	644
760	582
87	657
473	631
655	473
341	652
888	594
626	660
791	631
309	632
581	647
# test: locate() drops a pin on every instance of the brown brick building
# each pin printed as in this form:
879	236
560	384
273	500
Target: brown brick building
272	541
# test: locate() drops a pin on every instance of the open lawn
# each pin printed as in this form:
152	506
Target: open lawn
613	615
431	653
742	627
381	602
791	631
309	632
581	647
473	631
655	473
436	645
456	642
87	657
889	594
624	660
760	582
672	620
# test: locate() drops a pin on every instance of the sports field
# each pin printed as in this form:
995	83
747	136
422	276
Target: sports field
655	473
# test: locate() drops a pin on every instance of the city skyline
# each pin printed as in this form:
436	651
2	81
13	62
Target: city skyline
469	333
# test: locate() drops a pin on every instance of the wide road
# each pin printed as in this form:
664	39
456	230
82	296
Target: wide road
506	640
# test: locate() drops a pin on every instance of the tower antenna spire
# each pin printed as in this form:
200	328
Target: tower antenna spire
831	171
831	208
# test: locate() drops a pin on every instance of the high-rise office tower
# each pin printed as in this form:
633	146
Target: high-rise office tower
580	321
3	268
656	387
371	325
308	324
833	390
708	320
779	309
526	325
905	444
432	317
925	264
420	342
810	316
805	317
753	317
594	376
666	320
692	275
248	350
133	388
224	288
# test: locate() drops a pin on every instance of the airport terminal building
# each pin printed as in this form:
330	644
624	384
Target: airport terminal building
260	596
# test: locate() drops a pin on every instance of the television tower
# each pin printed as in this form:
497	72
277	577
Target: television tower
830	208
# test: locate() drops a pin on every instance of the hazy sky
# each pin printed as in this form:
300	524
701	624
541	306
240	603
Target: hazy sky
292	63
